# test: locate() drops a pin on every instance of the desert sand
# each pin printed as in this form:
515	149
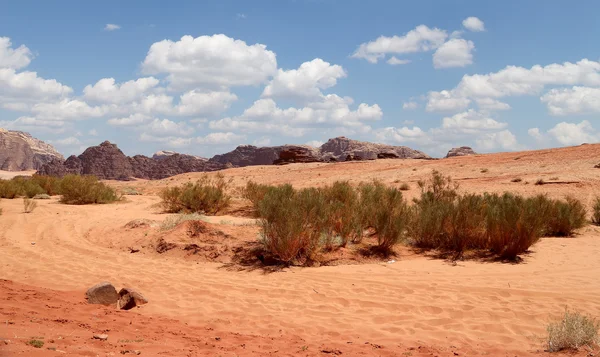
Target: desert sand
415	305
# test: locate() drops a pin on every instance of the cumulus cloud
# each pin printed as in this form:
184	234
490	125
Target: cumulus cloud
421	39
329	111
394	61
305	82
574	134
14	58
106	91
473	24
518	81
213	61
501	140
166	127
111	27
471	121
576	100
454	53
445	101
204	103
218	138
132	120
67	109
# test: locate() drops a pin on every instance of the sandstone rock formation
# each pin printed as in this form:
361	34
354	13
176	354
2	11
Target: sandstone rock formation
20	151
103	293
292	153
461	151
249	155
344	149
108	162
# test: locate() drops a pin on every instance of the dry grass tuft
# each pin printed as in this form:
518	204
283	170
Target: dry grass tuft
573	331
28	205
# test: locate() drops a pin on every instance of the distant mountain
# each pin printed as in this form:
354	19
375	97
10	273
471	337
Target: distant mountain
461	151
19	151
107	161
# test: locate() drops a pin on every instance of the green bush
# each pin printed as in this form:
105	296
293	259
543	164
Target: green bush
292	222
82	190
255	192
50	184
573	331
565	217
208	195
596	211
514	223
342	219
391	218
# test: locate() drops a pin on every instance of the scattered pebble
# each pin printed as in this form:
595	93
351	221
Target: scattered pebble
102	337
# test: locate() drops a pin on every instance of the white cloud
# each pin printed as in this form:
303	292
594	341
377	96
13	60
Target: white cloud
132	120
67	109
106	91
410	105
454	53
444	101
111	27
199	103
241	16
403	135
491	104
93	132
166	127
473	24
394	61
576	100
471	122
315	143
329	111
306	81
70	141
13	58
501	140
218	138
28	87
213	61
421	39
574	134
517	81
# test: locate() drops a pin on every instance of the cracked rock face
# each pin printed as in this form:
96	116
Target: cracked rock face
20	151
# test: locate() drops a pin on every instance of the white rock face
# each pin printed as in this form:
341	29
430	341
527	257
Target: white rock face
19	151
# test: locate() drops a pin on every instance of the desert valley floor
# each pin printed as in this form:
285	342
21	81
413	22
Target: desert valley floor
415	305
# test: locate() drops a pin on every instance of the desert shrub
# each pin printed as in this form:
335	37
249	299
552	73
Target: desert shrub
514	223
540	182
565	217
41	196
391	219
516	179
208	195
292	222
173	221
572	331
81	190
254	192
130	191
19	187
483	171
596	211
28	205
464	227
404	187
195	228
341	213
36	343
432	211
50	184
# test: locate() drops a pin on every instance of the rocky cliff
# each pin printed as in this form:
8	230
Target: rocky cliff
344	149
20	151
461	151
248	155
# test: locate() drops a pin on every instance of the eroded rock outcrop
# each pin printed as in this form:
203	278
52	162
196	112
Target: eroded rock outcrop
344	149
461	151
20	151
249	155
295	154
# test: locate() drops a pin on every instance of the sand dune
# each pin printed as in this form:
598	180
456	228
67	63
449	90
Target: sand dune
470	308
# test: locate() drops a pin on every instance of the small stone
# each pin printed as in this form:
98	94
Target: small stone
102	337
6	342
130	298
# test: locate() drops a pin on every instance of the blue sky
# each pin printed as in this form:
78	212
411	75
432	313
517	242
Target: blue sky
204	77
